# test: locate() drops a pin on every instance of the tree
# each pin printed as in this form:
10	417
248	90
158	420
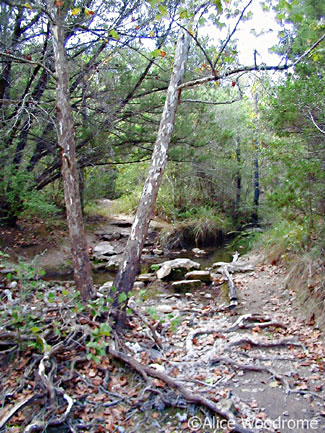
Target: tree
66	143
125	277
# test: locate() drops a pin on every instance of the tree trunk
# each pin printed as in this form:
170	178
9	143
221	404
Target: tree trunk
125	277
256	169
238	178
66	142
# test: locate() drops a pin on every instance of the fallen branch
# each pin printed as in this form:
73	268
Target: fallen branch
191	397
152	329
5	418
262	343
241	323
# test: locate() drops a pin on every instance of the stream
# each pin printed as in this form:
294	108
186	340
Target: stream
213	254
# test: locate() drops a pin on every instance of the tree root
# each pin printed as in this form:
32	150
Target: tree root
191	397
246	321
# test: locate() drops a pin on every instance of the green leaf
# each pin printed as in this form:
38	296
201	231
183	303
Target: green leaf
113	33
122	297
35	329
155	53
105	330
183	14
162	10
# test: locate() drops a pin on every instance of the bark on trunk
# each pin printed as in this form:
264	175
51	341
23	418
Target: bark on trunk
66	142
256	170
130	265
238	178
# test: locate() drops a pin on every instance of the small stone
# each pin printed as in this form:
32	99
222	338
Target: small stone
106	286
164	308
186	284
199	252
146	278
158	252
138	285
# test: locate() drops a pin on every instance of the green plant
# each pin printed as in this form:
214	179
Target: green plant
18	193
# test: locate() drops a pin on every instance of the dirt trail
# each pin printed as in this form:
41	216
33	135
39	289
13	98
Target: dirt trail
269	370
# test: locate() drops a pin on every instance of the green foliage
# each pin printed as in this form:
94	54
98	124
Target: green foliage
18	193
99	183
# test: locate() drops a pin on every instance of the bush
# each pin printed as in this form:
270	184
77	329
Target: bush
19	196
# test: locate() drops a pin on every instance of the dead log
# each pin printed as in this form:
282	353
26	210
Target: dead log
188	394
231	286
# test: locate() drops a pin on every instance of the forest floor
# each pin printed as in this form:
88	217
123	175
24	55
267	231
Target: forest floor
185	363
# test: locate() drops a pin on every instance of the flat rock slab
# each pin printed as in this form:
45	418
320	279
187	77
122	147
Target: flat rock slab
185	285
114	263
167	267
146	278
204	276
234	267
107	249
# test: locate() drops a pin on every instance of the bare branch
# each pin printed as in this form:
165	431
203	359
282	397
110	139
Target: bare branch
31	62
210	78
315	124
309	51
232	33
198	101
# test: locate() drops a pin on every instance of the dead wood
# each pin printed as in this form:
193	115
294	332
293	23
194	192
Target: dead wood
246	321
191	397
152	329
262	342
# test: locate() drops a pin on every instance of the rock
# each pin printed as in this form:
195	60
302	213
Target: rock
234	267
199	252
186	285
111	236
158	252
146	278
106	286
167	267
204	276
138	285
114	263
105	248
97	267
164	308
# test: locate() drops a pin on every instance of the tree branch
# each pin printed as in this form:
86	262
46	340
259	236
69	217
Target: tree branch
31	62
205	80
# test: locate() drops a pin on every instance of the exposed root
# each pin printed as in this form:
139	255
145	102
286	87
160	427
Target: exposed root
191	397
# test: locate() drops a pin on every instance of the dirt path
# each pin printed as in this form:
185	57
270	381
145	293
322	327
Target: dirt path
261	360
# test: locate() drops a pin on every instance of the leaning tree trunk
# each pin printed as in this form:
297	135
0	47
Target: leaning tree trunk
66	143
256	198
125	277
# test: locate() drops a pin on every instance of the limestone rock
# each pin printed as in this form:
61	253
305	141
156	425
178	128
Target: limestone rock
104	249
167	267
164	308
186	285
106	287
157	252
199	252
146	278
113	263
204	276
